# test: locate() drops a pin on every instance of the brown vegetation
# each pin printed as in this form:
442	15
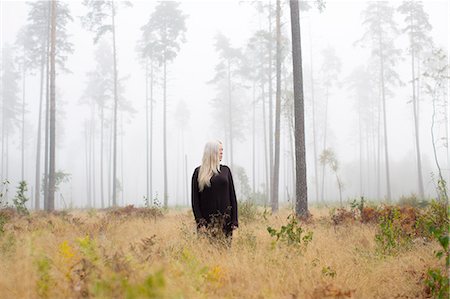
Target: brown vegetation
139	253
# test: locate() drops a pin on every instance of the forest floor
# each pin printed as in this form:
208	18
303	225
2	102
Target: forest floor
149	253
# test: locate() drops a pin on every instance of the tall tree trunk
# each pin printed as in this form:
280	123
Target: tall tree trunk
23	123
253	138
383	96
52	181
93	154
265	141
263	105
415	119
121	159
47	112
360	150
270	105
322	197
164	133
110	160
87	154
276	166
301	200
316	175
146	132
102	198
378	161
37	182
151	131
116	100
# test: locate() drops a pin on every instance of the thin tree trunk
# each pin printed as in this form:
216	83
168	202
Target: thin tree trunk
101	156
164	134
253	138
116	100
93	153
378	162
301	207
270	105
52	181
386	151
276	166
322	197
265	142
146	131
442	190
360	150
110	160
121	159
47	111
415	119
23	124
316	175
87	154
263	104
151	131
37	181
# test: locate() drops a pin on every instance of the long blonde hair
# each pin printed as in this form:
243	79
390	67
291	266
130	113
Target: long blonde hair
210	164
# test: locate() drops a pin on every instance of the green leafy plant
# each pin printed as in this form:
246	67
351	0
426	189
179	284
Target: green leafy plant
358	204
3	192
390	237
437	280
20	199
292	233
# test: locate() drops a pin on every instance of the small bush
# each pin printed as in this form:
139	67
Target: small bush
394	230
20	199
292	233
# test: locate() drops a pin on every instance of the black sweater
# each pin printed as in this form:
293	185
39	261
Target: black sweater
219	198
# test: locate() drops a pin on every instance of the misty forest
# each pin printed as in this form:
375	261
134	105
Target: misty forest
334	121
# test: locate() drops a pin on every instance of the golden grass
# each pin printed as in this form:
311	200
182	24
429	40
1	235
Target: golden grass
95	255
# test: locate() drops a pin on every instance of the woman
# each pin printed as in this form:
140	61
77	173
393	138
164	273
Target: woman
213	197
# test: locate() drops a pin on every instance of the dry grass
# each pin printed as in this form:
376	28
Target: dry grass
106	255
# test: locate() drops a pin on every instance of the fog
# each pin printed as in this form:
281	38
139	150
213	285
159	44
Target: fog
194	117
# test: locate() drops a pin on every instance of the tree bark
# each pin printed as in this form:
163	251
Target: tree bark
301	207
383	97
415	118
52	178
146	131
116	99
276	166
37	181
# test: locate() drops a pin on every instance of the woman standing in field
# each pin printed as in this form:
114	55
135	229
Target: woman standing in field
213	197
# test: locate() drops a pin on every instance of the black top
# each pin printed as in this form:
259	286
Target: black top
218	199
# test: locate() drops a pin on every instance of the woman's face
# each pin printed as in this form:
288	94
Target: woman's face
220	151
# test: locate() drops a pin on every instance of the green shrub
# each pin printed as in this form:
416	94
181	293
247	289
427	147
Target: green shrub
292	233
391	237
20	199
